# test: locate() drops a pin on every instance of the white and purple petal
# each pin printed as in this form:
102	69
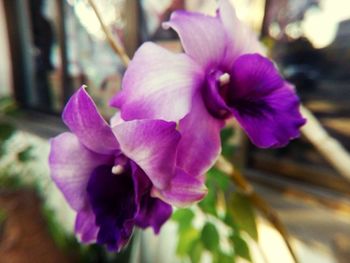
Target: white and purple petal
200	144
183	190
203	37
240	38
152	145
263	103
71	165
84	120
158	84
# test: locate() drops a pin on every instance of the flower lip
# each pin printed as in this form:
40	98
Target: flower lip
263	103
112	199
120	199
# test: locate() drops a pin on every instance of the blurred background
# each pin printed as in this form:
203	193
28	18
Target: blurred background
49	48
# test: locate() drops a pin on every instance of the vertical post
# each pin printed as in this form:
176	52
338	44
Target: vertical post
131	13
5	66
265	26
21	49
62	42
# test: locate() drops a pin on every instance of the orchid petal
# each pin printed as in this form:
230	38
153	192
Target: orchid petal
83	119
158	84
154	212
200	144
142	184
202	36
240	38
116	119
152	145
183	191
263	103
71	165
151	211
85	227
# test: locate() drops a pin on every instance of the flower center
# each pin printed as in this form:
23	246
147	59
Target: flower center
118	169
215	94
224	79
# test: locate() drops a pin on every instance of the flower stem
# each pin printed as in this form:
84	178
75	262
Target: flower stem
115	44
239	180
331	149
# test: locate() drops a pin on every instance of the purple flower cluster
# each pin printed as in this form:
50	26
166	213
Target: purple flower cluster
172	107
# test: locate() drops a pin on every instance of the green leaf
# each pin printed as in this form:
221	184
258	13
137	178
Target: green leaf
219	178
226	134
243	214
216	181
6	131
210	237
26	155
187	233
241	247
208	204
183	214
186	241
196	251
184	218
220	257
228	148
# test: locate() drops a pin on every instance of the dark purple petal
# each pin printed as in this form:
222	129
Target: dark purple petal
184	190
152	145
263	103
200	144
71	165
240	39
83	119
142	184
158	84
85	227
112	199
154	212
150	211
203	37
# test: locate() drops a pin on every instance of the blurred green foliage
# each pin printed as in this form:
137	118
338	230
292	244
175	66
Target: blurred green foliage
228	147
26	155
210	237
243	214
224	216
6	132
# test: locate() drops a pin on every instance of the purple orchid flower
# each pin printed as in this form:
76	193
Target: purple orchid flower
111	175
221	75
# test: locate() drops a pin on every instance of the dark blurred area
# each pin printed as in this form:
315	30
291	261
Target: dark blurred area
43	38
